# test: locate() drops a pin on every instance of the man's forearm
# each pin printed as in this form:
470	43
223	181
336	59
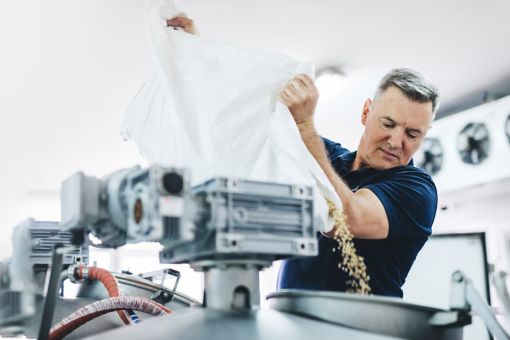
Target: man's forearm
316	147
365	214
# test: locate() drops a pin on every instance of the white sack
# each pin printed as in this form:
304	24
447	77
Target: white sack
213	107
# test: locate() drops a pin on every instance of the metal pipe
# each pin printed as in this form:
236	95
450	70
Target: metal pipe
485	312
465	297
499	280
51	293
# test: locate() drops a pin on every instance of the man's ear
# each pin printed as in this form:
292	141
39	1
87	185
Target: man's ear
366	110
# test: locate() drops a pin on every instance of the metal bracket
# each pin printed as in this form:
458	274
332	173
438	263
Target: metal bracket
464	297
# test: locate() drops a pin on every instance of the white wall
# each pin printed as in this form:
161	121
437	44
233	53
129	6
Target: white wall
63	90
476	197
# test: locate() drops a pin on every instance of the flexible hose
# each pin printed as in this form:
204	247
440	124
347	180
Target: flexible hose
93	310
109	282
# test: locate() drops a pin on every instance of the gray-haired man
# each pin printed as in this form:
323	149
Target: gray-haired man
389	203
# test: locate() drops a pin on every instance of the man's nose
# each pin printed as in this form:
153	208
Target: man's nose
396	139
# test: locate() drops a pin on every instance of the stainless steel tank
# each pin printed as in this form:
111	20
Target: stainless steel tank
208	323
305	315
234	313
231	311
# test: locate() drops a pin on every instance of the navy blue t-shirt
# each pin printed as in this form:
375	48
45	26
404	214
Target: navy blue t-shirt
410	199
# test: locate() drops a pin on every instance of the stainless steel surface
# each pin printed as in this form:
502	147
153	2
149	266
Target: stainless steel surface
207	323
382	315
231	284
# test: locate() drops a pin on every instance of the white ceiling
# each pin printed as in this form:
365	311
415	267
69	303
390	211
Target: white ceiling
68	70
463	46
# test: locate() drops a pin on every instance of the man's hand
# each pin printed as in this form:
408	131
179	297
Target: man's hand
183	22
301	96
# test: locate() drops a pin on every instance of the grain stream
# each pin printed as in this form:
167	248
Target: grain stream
351	263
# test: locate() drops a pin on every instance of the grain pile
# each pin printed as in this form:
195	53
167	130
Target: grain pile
351	263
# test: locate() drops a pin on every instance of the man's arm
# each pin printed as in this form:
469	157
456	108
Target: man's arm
364	211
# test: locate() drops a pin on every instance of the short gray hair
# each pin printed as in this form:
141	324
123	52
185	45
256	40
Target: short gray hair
413	84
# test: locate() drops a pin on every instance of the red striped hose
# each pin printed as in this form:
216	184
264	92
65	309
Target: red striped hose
109	282
93	310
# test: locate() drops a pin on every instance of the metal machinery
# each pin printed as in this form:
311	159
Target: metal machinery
23	276
230	229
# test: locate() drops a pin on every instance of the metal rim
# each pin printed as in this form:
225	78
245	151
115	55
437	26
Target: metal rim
381	300
149	285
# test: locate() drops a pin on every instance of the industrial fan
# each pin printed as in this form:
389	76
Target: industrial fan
473	143
431	156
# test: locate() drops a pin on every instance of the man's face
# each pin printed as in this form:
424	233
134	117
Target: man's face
395	127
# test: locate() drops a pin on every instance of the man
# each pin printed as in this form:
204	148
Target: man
389	203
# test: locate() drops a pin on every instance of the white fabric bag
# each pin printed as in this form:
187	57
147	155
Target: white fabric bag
213	107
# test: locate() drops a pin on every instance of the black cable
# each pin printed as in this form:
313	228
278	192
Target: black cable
51	294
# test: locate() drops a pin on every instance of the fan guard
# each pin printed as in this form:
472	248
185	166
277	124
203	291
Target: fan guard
473	143
430	157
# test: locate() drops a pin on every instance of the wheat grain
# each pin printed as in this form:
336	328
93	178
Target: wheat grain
351	262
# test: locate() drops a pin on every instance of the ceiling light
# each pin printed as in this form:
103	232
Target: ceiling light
330	81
